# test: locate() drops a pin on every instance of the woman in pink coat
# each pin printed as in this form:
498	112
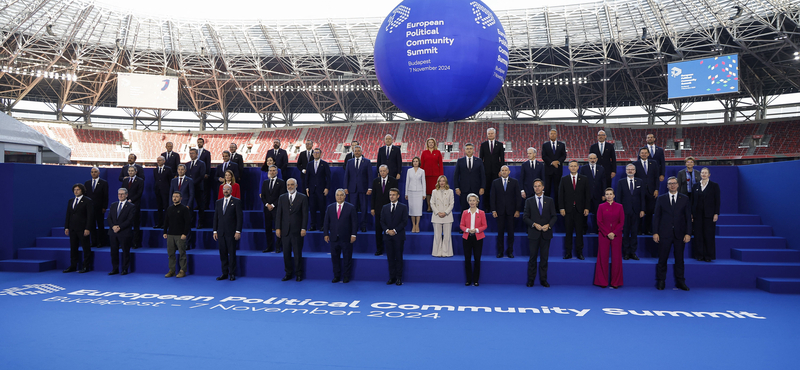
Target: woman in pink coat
610	218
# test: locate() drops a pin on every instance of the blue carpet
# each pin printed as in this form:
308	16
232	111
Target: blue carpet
43	332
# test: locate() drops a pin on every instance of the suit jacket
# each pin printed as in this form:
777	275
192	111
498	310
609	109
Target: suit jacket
124	219
505	202
205	156
598	183
99	195
379	195
135	190
173	161
548	156
547	216
396	220
162	180
529	174
348	157
343	226
186	190
480	224
227	224
658	156
317	181
607	159
705	203
303	159
632	203
197	173
81	216
581	195
492	160
271	196
651	178
231	166
356	180
610	219
290	219
469	181
394	161
239	160
281	160
124	173
683	181
672	221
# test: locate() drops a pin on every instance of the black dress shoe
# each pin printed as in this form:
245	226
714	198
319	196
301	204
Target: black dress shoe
499	255
468	283
83	270
335	280
707	259
545	284
113	272
510	255
363	229
660	284
312	228
378	253
286	277
399	282
346	280
568	256
298	278
266	251
580	257
222	277
279	250
71	269
529	284
682	286
232	278
391	281
476	284
634	257
124	272
626	257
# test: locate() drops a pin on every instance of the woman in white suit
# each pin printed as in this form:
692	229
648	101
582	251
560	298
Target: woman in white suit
415	192
442	219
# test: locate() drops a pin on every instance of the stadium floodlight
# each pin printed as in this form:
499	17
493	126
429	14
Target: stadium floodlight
644	33
50	30
566	42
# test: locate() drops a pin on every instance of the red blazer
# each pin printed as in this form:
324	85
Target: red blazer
234	191
432	163
610	218
480	224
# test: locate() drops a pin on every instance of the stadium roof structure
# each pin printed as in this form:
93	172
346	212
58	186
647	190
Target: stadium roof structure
589	57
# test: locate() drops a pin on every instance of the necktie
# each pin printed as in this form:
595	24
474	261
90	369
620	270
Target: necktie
291	199
119	209
505	184
271	184
276	152
383	188
94	184
553	144
224	167
358	161
652	151
224	206
540	205
75	203
673	200
532	164
592	171
160	170
469	163
645	167
338	211
180	182
393	207
691	182
131	182
573	182
631	185
193	164
491	146
601	148
388	150
316	165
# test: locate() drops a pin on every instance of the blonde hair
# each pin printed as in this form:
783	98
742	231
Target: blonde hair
446	186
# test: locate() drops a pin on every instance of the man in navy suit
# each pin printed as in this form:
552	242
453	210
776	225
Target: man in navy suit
162	174
657	154
183	184
394	217
540	217
505	198
389	155
606	156
317	181
574	198
358	173
77	226
648	170
597	178
228	218
226	164
280	157
672	227
238	159
290	225
305	157
381	187
121	217
340	230
271	190
135	186
531	170
554	153
131	163
469	176
209	184
171	159
630	193
196	169
493	155
349	155
97	190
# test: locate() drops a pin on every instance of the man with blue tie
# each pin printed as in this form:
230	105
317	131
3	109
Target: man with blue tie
171	159
135	186
672	227
657	154
540	217
78	226
648	170
505	198
163	175
196	169
390	155
358	173
469	176
121	216
631	192
209	184
597	180
394	217
228	219
317	179
340	231
531	170
226	164
554	153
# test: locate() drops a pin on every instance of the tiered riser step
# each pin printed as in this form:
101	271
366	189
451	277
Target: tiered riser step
29	265
779	285
766	255
744	230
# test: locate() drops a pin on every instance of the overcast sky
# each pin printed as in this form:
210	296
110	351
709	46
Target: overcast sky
299	9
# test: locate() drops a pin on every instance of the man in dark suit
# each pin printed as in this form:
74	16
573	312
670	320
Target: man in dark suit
196	169
184	185
381	186
317	180
657	154
290	225
162	174
226	164
493	155
228	218
238	159
540	217
271	190
358	172
672	227
573	202
630	193
97	190
131	163
209	183
389	155
648	170
606	156
121	216
688	177
135	186
171	159
280	157
531	170
77	226
177	227
305	157
554	153
469	176
597	180
349	156
340	231
505	198
394	217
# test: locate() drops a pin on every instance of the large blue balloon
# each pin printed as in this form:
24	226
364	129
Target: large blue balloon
441	60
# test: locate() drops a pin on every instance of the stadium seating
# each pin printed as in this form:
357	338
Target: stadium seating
784	138
263	143
216	143
717	141
327	138
471	132
417	132
89	144
371	135
632	139
150	144
522	137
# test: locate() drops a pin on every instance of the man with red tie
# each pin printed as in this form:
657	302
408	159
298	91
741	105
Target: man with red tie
380	197
574	197
340	228
135	186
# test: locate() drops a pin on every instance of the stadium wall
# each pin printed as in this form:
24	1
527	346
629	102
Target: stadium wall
770	190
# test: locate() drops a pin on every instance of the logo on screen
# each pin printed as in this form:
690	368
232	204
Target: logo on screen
398	16
482	15
675	72
166	85
32	289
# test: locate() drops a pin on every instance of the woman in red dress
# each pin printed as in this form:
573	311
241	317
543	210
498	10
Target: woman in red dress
610	218
431	159
230	180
